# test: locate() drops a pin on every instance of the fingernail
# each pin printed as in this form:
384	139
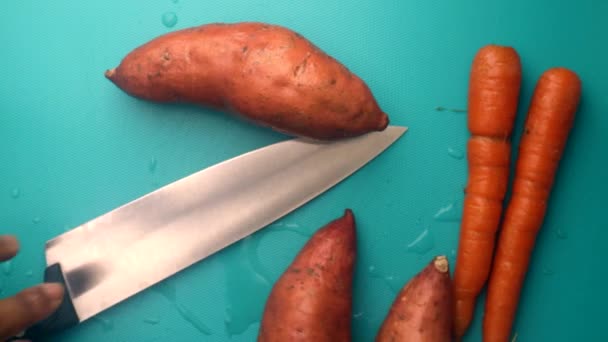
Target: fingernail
53	291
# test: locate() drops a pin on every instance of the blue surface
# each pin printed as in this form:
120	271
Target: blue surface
73	146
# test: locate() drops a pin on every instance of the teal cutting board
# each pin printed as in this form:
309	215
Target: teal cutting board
73	146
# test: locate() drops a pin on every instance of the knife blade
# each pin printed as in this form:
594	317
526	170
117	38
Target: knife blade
121	253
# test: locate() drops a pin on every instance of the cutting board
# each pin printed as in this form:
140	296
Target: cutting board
73	146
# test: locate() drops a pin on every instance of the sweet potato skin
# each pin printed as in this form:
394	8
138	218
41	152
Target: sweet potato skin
421	311
312	300
266	73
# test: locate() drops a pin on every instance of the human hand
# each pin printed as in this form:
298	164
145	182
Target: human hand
29	306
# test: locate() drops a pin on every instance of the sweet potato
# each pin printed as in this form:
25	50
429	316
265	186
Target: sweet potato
422	311
265	73
312	300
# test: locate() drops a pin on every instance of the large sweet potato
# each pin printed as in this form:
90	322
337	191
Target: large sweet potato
421	311
266	73
312	300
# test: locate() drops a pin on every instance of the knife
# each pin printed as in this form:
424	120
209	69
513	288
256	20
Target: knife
121	253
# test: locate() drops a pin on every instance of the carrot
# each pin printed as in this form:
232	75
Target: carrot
494	86
548	124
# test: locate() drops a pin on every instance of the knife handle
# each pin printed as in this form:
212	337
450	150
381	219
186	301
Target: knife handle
64	317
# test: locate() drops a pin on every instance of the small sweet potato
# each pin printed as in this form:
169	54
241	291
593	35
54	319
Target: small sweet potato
312	300
266	73
421	311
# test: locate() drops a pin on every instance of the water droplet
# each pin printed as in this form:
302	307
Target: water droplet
191	318
251	250
374	273
152	165
548	271
7	267
449	213
423	243
169	19
453	110
151	320
29	274
166	289
358	315
292	225
289	228
455	153
174	1
444	210
36	220
244	274
15	193
453	251
561	234
106	324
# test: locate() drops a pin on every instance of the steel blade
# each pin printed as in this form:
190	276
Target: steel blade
121	253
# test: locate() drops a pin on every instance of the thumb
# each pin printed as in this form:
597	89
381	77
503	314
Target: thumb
27	307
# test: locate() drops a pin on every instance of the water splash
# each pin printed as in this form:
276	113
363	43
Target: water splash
251	250
455	153
166	289
289	227
152	164
15	193
561	234
169	19
151	320
106	324
423	243
453	110
452	212
548	271
244	274
7	267
388	280
194	320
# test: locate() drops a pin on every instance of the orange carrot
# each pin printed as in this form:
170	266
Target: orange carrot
494	86
548	124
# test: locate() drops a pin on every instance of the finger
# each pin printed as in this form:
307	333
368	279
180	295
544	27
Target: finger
28	307
9	246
